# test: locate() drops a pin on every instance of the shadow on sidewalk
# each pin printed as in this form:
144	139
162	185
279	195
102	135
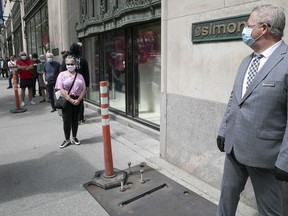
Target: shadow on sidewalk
56	172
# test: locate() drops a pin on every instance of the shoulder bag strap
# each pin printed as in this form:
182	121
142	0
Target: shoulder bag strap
72	83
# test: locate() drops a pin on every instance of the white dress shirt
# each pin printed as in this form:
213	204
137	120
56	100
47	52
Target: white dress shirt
266	54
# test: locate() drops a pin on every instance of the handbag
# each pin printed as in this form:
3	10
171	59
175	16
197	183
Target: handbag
61	102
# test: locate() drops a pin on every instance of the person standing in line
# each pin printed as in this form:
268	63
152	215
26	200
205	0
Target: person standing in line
35	61
51	71
82	68
253	132
64	54
25	66
40	71
3	68
78	91
12	68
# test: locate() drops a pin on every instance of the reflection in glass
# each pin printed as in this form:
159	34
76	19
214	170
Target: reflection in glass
114	54
92	56
149	72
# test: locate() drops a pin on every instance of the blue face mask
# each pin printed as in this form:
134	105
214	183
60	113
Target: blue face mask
247	36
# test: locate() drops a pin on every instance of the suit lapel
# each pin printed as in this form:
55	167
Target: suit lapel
273	60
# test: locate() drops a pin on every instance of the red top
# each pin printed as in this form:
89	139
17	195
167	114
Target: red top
24	74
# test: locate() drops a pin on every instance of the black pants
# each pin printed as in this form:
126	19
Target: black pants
4	73
10	79
81	110
70	120
50	90
35	78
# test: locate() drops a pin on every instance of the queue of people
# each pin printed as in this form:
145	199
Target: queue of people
30	71
52	76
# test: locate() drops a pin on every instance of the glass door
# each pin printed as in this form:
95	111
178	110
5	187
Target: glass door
147	61
92	55
114	67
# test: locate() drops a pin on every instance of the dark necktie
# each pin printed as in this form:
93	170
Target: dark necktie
253	69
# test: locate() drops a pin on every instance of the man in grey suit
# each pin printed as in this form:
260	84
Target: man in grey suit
254	130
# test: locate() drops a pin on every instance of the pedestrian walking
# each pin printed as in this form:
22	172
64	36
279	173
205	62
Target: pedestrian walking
253	132
51	72
74	83
25	66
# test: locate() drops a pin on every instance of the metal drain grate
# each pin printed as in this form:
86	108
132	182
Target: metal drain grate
142	195
154	194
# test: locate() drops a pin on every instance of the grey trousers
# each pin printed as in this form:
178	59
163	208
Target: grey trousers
268	190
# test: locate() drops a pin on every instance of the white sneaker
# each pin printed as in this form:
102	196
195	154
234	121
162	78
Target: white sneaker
32	103
23	104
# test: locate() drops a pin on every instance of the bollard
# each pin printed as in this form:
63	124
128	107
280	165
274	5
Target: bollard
17	109
108	178
15	87
108	160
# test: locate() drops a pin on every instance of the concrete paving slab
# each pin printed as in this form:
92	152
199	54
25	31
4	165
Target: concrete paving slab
39	178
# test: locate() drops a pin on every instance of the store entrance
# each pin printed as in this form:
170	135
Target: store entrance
130	60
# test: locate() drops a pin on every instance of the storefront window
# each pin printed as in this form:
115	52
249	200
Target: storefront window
18	42
130	60
29	38
148	65
45	30
33	36
92	56
114	58
37	32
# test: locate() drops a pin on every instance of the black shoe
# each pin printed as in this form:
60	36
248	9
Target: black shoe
9	87
81	121
53	110
65	143
75	141
42	101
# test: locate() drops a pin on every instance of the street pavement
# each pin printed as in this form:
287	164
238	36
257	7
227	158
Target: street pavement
37	178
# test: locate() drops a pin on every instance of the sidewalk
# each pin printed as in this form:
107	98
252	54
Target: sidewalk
38	178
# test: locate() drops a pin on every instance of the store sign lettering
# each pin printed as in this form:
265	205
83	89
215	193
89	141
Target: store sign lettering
218	30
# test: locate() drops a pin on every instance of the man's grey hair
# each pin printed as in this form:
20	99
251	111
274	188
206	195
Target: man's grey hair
273	16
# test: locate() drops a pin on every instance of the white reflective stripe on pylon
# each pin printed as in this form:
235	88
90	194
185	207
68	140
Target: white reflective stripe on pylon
105	122
103	89
104	100
104	111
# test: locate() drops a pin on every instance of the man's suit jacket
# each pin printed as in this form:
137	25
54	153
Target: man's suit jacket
255	125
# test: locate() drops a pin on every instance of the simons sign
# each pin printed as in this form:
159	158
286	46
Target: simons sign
219	30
